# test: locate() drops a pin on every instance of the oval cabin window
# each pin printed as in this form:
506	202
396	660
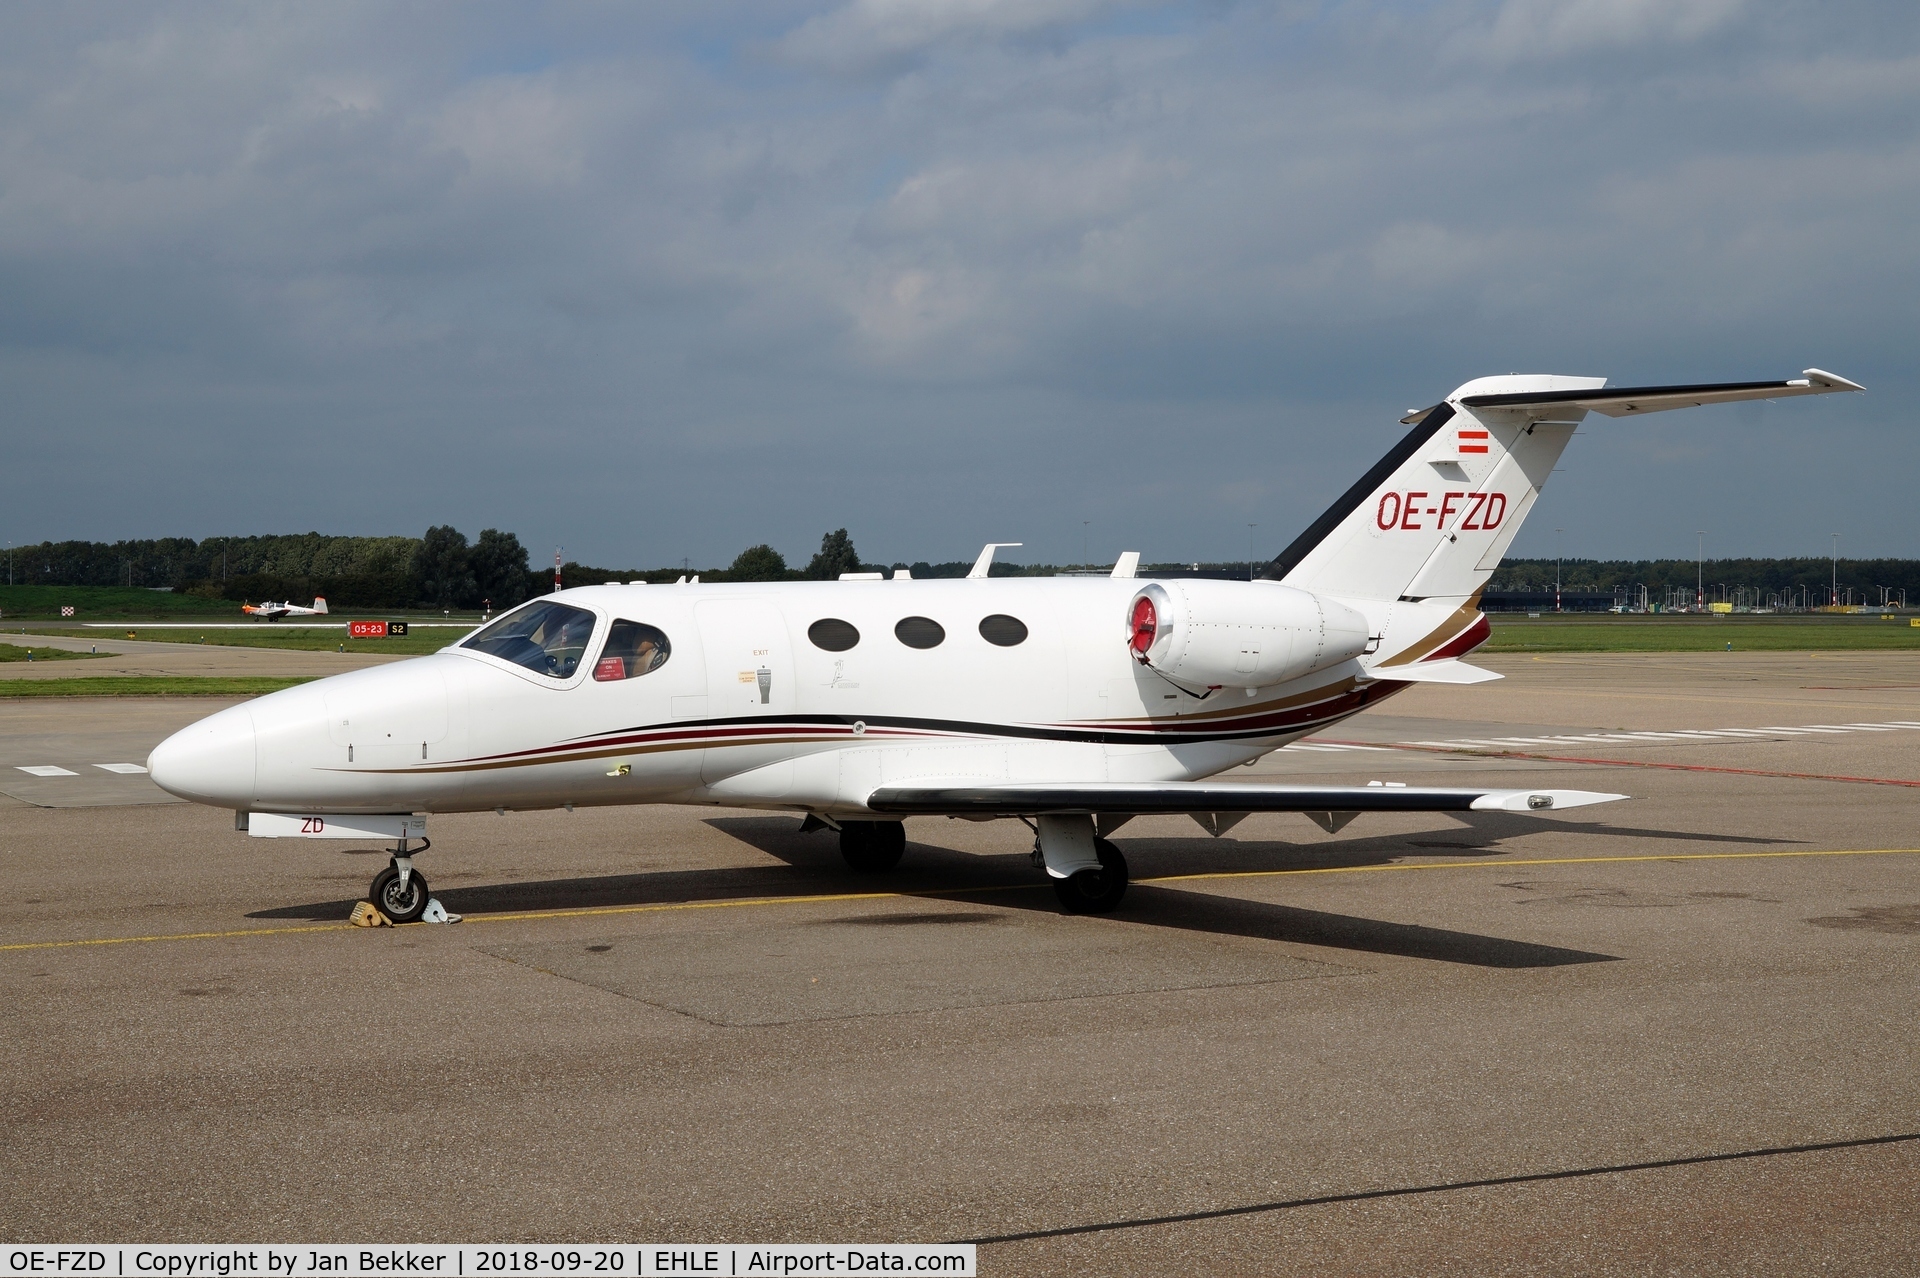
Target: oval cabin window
632	649
1003	631
920	632
833	634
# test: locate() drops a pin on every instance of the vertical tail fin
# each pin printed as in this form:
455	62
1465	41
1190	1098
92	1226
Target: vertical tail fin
1434	516
320	606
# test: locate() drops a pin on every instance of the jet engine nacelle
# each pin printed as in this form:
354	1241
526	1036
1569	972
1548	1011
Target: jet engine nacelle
1240	633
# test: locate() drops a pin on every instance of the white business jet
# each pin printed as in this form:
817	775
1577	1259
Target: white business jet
275	611
1073	704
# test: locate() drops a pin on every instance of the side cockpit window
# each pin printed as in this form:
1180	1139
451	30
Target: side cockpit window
550	638
632	650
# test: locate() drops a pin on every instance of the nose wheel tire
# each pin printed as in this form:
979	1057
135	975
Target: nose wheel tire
1092	891
873	847
400	905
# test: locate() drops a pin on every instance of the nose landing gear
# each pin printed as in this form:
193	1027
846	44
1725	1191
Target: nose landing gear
400	891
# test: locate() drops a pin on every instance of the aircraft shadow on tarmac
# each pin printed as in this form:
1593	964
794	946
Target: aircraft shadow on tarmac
813	867
1234	916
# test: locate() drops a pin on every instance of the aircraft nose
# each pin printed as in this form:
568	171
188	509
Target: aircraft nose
210	762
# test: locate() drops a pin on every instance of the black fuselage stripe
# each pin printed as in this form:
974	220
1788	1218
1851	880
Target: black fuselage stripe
1028	732
1349	703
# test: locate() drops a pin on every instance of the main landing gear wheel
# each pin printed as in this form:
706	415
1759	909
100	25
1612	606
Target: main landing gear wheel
399	904
873	847
1092	891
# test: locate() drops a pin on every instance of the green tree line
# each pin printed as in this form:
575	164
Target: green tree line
439	569
1864	576
443	569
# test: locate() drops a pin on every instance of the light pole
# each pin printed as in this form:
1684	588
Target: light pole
1699	572
1835	599
1084	535
1556	568
1251	558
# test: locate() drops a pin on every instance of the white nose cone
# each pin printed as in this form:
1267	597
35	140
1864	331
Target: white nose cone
211	762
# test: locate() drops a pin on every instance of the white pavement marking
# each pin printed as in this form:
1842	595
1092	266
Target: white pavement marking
47	770
124	769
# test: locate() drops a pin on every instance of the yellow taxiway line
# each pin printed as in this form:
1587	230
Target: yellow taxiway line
741	902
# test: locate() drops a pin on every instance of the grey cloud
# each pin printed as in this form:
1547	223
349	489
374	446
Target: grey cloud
673	282
866	34
1534	29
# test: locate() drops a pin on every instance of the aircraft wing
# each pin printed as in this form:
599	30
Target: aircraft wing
1141	798
1628	401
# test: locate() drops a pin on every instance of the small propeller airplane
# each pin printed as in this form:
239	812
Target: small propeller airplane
1071	704
275	611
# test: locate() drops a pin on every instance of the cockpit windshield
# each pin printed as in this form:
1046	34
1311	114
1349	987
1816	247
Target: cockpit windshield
550	638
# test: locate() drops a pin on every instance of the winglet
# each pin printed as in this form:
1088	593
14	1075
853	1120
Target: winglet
1127	565
984	564
1833	381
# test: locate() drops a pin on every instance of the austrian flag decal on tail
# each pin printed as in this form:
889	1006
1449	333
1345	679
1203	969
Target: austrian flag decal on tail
1473	441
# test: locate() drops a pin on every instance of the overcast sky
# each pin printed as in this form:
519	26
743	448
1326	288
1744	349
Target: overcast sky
662	280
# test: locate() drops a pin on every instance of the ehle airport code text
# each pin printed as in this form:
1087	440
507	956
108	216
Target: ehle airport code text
469	1260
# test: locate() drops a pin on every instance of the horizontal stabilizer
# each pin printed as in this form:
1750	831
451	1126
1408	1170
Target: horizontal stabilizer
1628	401
1435	672
1180	797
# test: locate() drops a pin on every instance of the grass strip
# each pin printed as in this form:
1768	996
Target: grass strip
11	651
146	686
1701	634
289	638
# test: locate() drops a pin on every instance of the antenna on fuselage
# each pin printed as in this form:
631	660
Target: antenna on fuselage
984	564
